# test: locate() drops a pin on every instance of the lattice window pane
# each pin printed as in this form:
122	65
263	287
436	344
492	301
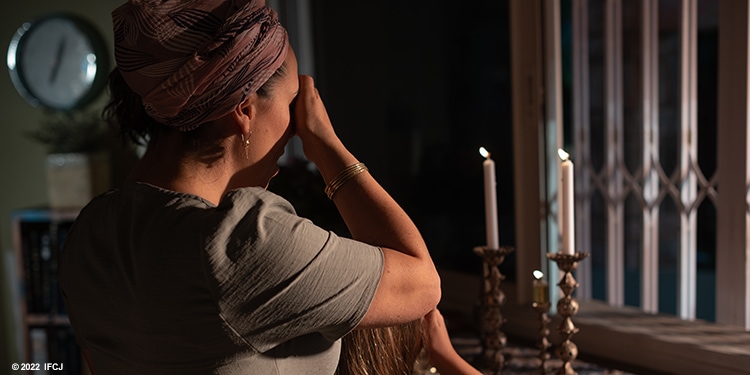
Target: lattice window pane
641	131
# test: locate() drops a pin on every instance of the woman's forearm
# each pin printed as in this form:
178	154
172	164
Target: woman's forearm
409	286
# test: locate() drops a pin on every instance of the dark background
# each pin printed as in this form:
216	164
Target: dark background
414	89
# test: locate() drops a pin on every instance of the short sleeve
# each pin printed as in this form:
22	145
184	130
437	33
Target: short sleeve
278	276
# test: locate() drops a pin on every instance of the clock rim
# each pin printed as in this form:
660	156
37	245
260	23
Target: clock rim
99	49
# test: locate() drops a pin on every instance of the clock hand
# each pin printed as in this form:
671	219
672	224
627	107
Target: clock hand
58	58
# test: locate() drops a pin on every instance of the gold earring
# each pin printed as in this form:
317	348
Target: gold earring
246	144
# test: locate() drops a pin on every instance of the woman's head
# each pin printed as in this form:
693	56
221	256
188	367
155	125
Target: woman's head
125	110
192	62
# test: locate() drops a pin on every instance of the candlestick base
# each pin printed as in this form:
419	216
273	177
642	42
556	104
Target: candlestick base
567	306
543	344
491	360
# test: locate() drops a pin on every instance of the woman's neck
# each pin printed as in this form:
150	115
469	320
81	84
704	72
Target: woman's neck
168	165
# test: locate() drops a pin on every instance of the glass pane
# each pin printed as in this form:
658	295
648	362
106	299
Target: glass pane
597	142
597	115
633	245
598	246
706	262
632	86
707	117
669	83
633	147
669	239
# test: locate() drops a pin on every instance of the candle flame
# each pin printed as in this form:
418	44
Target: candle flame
483	151
538	274
563	155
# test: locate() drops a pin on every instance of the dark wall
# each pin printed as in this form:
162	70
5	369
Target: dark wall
414	89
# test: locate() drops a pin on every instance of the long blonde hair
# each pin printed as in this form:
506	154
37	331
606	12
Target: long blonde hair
381	351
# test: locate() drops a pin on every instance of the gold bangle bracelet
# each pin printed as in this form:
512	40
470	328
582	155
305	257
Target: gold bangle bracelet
347	174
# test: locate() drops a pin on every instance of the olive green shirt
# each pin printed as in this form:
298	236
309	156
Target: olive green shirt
160	282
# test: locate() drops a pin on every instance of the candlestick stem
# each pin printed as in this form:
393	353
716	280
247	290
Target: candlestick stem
491	360
543	344
567	307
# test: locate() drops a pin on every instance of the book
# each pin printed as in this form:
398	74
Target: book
32	234
41	245
39	236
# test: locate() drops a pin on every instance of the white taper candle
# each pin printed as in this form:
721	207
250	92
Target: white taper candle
490	200
566	204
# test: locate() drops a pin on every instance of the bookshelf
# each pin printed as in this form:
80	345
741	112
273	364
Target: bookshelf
38	235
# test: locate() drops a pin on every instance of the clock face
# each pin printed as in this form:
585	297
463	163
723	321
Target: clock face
57	62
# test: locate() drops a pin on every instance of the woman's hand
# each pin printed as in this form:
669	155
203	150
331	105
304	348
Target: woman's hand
313	126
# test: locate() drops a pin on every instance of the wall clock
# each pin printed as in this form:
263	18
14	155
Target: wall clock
58	62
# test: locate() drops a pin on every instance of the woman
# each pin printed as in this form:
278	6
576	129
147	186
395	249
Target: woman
192	267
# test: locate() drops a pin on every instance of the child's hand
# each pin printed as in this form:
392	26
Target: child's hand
439	348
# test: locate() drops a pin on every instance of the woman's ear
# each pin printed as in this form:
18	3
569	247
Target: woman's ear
244	113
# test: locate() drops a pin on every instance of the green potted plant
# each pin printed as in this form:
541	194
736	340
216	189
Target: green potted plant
77	161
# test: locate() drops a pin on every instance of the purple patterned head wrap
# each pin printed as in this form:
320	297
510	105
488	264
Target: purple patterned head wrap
193	61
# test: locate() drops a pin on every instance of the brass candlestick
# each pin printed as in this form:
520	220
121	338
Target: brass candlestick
492	298
541	305
567	306
543	344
